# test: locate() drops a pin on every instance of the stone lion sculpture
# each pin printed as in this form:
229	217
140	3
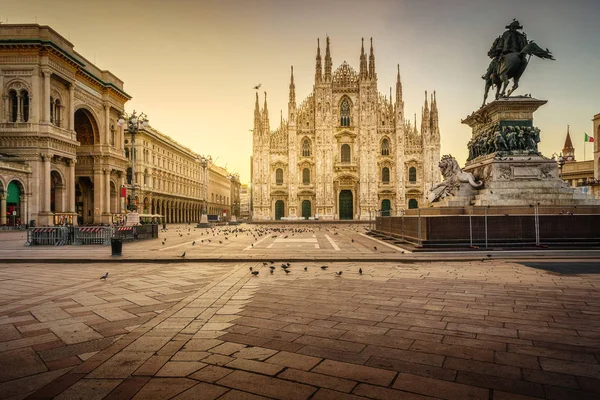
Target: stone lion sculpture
453	177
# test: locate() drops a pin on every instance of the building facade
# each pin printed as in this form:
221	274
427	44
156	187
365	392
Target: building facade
64	158
346	151
579	174
168	177
63	153
245	202
219	192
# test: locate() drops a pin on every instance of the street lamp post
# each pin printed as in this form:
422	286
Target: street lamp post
560	161
205	162
133	125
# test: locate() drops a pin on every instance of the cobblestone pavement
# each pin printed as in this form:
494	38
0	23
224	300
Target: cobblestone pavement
491	329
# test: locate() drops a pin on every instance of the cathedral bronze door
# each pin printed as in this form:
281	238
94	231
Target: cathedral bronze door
346	206
306	209
279	213
386	206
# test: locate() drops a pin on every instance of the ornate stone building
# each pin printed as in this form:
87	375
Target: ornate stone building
245	202
63	157
345	151
58	126
219	192
168	175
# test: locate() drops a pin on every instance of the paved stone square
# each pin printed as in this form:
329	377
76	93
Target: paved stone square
414	329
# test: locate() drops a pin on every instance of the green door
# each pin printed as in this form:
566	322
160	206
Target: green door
386	206
346	208
279	209
412	203
306	209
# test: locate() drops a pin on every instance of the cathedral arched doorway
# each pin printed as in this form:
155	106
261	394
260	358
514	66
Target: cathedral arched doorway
306	209
346	205
279	209
386	206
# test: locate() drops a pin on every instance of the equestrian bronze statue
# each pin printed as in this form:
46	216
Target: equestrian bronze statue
510	54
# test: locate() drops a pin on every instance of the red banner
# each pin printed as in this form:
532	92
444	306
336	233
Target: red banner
123	192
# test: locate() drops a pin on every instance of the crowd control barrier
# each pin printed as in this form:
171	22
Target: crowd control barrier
124	232
53	236
92	235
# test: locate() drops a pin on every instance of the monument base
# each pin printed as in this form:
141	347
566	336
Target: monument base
522	181
203	222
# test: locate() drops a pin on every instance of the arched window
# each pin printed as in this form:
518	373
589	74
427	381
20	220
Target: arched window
57	112
385	175
412	203
51	110
145	177
279	176
412	175
306	176
127	152
13	106
305	148
385	147
129	176
345	153
345	113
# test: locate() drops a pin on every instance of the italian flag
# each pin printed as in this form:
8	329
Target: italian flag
588	138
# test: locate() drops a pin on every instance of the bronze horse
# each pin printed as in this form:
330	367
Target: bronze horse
509	66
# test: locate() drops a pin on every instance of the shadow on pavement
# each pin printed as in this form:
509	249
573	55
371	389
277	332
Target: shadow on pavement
567	267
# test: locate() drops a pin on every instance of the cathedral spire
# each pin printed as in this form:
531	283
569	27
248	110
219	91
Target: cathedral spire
425	117
372	74
266	116
256	116
292	101
568	150
319	71
363	61
327	62
434	114
398	88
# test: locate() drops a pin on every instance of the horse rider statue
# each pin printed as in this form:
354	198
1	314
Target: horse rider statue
509	59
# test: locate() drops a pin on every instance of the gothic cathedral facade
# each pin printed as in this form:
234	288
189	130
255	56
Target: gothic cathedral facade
346	153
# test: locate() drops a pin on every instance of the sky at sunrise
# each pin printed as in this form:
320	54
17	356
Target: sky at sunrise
191	65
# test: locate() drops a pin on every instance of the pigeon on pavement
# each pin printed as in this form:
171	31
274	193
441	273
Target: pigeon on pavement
104	276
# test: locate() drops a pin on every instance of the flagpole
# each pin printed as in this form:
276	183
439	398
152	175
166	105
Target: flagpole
584	148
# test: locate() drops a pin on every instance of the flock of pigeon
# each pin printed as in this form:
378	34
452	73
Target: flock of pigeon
286	268
256	232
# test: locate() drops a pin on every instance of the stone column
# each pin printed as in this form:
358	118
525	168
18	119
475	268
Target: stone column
72	106
5	115
3	110
19	107
46	158
2	208
47	73
71	186
98	198
106	124
107	191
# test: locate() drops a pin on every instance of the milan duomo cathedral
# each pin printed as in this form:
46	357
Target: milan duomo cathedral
346	152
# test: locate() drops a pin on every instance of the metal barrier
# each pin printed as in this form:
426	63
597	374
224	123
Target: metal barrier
93	235
49	236
124	232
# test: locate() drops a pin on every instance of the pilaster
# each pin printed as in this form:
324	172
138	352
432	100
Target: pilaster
47	72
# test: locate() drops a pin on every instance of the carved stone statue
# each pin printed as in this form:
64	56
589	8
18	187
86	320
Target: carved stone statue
509	59
453	177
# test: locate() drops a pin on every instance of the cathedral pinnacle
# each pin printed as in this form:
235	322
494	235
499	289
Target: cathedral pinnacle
292	101
319	71
425	117
372	74
327	62
398	88
363	61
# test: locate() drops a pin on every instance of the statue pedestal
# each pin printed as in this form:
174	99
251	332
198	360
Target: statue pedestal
503	154
203	222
